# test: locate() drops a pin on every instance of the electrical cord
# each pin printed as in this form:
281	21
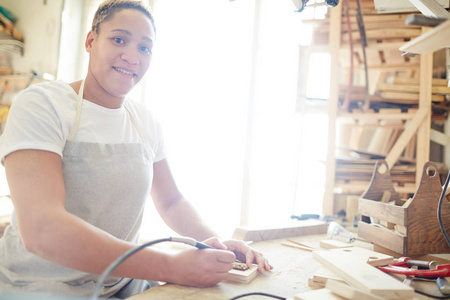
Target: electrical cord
258	294
439	209
130	252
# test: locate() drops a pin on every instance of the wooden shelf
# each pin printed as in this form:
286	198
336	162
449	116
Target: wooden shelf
432	40
10	44
378	116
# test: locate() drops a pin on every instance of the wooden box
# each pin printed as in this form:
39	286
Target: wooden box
407	227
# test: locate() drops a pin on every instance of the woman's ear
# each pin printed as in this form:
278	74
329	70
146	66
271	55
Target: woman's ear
89	41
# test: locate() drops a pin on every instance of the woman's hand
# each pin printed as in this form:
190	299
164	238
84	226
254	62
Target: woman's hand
248	255
201	267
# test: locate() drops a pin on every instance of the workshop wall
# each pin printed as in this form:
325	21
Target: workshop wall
40	23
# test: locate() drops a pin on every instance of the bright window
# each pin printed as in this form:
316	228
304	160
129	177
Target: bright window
224	84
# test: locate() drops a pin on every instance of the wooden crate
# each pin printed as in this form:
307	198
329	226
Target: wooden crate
409	227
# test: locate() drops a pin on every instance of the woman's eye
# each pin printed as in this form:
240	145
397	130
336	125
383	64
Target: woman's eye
145	49
119	40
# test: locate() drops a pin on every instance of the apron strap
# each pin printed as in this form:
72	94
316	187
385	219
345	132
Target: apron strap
133	120
78	117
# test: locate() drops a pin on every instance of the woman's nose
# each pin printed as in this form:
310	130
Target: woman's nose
130	56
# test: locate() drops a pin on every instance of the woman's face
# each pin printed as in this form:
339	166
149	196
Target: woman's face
120	53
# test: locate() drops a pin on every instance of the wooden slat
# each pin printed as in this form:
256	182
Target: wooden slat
433	40
335	45
409	98
390	6
411	129
431	8
392	33
412	88
426	89
356	272
416	81
383	211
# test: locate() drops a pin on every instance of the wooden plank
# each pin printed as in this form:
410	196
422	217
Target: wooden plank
409	98
412	88
383	237
383	211
439	137
306	227
297	247
416	81
334	41
370	257
323	274
426	89
384	33
411	129
352	267
433	40
431	8
379	116
389	6
333	244
348	292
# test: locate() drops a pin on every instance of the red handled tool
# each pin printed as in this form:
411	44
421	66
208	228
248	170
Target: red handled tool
403	267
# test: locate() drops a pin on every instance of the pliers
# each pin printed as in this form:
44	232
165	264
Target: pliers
402	267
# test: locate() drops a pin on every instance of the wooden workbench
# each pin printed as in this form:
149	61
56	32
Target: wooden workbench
292	268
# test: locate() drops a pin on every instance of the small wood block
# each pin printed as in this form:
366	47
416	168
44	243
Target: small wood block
314	285
333	244
323	274
242	276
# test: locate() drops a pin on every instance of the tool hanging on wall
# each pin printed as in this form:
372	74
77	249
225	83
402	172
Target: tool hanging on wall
301	4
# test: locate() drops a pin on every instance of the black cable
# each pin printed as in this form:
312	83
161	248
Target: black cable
431	296
130	252
258	294
439	209
363	39
120	260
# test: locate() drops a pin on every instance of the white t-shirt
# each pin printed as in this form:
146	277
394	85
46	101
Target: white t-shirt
42	116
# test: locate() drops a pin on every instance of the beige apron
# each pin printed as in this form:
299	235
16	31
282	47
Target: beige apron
107	186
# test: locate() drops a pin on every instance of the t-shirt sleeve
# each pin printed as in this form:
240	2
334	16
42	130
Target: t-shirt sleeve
32	123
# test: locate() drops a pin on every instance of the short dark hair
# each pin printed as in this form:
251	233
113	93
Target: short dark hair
108	8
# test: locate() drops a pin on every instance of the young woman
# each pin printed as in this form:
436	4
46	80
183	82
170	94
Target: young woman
80	161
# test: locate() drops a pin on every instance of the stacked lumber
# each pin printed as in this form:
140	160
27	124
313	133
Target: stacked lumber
384	34
357	170
392	90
